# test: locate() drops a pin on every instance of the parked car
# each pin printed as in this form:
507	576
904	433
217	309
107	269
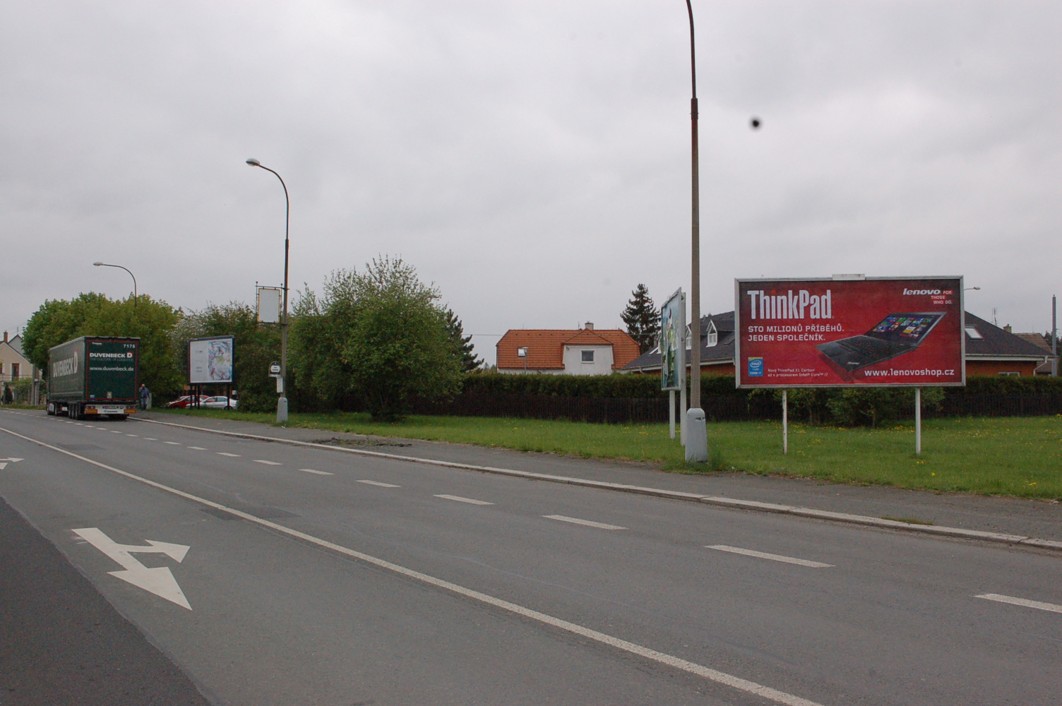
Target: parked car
219	402
186	401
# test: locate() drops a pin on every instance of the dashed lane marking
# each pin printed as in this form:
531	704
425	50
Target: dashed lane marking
459	499
584	523
1023	602
771	557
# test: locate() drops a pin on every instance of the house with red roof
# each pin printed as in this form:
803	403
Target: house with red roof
585	351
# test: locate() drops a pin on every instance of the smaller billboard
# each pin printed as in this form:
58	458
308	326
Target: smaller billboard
270	300
210	360
850	332
673	342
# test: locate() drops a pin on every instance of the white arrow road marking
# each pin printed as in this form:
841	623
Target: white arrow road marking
158	581
5	461
771	557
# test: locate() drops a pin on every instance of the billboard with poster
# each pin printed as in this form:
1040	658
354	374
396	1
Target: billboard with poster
849	332
673	342
210	360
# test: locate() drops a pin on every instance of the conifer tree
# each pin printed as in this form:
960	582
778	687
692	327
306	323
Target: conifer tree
462	343
642	318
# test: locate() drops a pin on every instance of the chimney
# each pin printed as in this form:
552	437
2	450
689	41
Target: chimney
1008	328
5	336
589	326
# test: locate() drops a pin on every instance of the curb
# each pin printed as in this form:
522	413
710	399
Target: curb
731	503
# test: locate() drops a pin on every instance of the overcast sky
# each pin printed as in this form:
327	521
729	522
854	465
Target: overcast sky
531	158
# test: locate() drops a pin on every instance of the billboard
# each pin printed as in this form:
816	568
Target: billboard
673	342
210	360
269	304
848	332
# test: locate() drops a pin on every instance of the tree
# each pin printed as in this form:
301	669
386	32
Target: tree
642	318
379	337
462	343
94	314
254	348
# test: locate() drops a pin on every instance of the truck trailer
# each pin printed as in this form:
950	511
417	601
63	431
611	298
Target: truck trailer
94	377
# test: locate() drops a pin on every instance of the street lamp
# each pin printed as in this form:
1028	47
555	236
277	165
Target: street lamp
282	400
697	439
104	264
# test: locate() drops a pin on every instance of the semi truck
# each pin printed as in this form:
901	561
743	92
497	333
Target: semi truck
94	376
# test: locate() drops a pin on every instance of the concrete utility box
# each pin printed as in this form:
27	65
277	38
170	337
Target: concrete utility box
696	436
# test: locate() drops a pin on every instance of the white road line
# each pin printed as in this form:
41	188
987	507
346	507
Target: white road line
772	557
227	454
133	436
647	653
172	443
378	484
459	499
197	448
150	438
1023	602
267	463
316	473
584	523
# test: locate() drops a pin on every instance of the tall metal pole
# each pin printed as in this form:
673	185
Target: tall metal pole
282	400
697	438
104	264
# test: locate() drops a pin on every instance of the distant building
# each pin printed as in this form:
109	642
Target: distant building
584	351
13	364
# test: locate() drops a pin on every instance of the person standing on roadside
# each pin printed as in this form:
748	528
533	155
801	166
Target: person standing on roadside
8	396
145	396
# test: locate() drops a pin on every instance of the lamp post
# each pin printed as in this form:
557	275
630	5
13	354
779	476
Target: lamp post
697	439
282	400
104	264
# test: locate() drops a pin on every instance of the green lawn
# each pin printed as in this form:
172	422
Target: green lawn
992	456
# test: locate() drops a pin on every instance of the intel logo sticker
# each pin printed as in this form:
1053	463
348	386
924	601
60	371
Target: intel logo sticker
755	367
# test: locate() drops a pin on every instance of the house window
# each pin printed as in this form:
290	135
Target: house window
712	338
588	356
1010	373
973	333
15	371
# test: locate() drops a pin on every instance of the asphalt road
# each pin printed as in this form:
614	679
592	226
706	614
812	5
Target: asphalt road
241	571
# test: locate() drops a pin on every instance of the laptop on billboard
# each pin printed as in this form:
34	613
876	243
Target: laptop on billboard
894	335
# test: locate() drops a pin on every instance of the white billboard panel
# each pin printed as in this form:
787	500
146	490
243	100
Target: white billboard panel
210	360
269	302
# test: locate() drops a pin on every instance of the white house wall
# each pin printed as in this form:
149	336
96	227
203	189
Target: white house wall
574	365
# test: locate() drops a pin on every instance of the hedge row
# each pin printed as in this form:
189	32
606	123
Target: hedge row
638	398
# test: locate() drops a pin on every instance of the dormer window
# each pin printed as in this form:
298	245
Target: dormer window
711	338
973	333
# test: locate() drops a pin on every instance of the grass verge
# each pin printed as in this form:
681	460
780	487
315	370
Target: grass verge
1018	456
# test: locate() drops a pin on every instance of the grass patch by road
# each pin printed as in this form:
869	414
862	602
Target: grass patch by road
990	456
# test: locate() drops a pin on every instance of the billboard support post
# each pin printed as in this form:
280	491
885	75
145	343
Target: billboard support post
785	422
918	421
671	413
